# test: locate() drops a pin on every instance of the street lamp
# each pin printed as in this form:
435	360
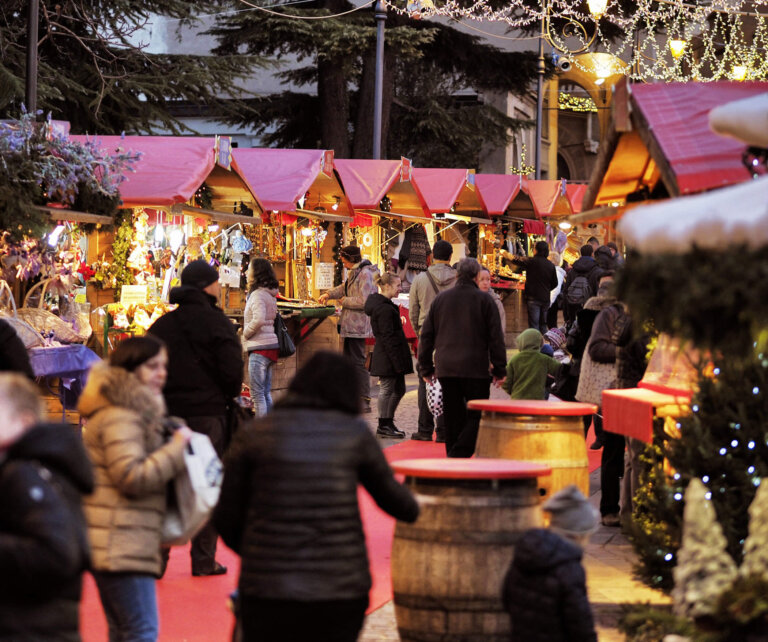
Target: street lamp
572	28
380	16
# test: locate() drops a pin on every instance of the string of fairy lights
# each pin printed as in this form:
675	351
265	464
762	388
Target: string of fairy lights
666	40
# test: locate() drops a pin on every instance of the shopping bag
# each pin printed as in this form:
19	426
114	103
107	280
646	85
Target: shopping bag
195	492
286	347
435	397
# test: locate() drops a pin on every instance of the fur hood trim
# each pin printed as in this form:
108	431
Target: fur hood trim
110	386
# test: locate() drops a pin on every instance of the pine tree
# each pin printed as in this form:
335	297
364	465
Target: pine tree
425	65
93	74
704	569
756	546
716	300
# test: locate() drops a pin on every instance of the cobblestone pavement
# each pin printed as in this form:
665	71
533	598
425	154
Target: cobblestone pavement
608	558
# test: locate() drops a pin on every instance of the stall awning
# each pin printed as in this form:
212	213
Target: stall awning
667	137
574	192
497	191
287	180
170	170
549	197
447	190
368	182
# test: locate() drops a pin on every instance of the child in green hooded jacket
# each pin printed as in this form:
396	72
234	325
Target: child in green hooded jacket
527	370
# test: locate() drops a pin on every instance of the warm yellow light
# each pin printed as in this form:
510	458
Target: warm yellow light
306	231
597	7
677	47
739	72
564	225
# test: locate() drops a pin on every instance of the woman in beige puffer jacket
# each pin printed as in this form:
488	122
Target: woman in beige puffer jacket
124	438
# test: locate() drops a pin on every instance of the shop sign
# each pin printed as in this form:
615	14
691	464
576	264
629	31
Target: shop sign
132	294
328	163
224	151
323	276
405	170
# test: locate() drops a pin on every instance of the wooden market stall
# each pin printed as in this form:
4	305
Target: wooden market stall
660	145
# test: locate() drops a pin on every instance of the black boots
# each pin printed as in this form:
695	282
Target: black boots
387	428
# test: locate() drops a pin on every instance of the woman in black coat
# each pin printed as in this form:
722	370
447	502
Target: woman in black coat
391	355
289	508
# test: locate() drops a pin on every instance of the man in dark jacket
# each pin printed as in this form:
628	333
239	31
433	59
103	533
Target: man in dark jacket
44	471
545	589
582	269
205	372
540	280
463	329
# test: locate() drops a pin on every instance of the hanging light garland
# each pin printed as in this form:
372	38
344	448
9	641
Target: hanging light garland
665	40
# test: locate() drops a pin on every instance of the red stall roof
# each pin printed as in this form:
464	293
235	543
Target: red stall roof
677	116
550	197
170	170
441	189
575	194
366	182
280	177
497	191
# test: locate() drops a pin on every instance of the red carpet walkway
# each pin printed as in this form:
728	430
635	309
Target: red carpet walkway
194	609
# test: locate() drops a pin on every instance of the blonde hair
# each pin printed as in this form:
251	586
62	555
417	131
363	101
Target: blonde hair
21	394
388	278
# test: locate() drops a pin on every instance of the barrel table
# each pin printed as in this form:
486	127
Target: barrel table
448	567
545	432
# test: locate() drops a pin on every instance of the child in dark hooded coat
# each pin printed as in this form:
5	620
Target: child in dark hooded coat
545	589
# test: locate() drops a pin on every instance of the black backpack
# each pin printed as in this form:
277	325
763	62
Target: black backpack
578	291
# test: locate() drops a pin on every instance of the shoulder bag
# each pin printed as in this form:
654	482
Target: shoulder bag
286	346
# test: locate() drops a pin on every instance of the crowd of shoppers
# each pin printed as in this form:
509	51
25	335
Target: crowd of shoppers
288	503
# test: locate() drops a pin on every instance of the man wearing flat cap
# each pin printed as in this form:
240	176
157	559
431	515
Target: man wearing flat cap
355	325
205	372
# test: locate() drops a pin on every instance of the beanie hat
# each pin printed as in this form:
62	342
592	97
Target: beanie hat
571	512
351	253
556	337
442	251
199	274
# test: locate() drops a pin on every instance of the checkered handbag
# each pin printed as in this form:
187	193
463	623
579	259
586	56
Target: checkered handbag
435	397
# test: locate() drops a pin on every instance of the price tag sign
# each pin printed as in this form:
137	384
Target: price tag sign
132	294
323	276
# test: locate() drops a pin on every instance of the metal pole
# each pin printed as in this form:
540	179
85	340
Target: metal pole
32	17
378	91
540	72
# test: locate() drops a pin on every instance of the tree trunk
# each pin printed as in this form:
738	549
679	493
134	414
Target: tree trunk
334	107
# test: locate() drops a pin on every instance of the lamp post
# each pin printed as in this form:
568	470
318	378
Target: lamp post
380	15
572	28
31	80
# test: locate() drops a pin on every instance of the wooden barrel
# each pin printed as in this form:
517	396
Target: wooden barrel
545	432
448	567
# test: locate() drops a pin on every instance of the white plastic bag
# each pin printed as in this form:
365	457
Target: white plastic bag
196	492
435	397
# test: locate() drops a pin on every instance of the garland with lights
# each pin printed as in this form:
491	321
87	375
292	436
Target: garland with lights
569	102
716	301
338	236
204	197
669	41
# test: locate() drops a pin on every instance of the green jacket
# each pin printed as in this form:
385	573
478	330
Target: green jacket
527	371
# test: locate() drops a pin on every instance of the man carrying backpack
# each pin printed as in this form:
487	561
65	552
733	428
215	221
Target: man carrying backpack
577	288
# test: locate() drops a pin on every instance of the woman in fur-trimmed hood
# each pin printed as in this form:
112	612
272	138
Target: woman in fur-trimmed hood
124	438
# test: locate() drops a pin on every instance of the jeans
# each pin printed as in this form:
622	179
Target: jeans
260	382
355	350
537	315
130	605
461	425
391	391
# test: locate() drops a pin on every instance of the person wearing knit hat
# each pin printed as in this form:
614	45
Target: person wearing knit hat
199	274
556	338
205	374
545	588
354	324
